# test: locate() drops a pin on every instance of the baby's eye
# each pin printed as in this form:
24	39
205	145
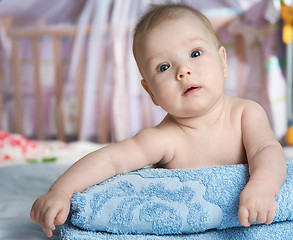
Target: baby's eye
163	67
196	53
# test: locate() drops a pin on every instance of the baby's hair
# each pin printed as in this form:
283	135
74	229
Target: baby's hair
159	13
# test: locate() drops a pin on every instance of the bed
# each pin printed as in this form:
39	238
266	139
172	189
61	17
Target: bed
22	181
24	178
21	184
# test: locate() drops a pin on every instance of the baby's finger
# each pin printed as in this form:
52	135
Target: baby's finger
32	214
36	216
47	231
252	216
47	222
243	216
270	217
61	216
262	217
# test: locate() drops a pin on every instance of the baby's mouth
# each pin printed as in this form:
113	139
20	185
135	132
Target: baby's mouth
189	89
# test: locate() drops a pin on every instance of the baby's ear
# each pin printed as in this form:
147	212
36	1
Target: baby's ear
223	55
146	87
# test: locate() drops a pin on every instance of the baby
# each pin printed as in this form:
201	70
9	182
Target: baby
183	67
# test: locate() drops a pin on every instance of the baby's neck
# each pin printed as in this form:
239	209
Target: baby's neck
206	119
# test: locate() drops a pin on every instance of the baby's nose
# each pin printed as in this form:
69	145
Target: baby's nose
184	72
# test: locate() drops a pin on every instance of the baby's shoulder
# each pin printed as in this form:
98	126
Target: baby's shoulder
159	138
247	109
159	133
241	104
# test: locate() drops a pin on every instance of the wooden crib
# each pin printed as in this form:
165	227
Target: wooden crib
238	73
34	35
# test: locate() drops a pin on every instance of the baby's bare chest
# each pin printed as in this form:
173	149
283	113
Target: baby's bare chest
218	146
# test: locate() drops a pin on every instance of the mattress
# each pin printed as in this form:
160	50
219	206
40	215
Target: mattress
20	185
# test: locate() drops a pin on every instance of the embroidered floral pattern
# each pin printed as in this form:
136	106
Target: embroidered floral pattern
15	147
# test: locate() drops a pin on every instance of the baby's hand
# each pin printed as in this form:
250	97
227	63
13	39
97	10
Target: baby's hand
257	203
49	210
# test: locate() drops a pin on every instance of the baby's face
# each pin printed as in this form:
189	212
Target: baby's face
182	67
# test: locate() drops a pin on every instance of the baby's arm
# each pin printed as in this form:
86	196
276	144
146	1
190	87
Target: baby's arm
267	167
144	149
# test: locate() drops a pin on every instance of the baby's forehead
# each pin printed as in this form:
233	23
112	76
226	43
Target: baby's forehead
156	20
170	17
185	27
158	24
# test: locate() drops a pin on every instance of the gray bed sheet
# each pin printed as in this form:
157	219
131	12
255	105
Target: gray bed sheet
20	186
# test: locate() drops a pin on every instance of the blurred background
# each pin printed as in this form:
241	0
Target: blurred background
67	70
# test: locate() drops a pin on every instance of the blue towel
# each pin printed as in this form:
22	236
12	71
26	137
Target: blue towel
161	201
276	231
